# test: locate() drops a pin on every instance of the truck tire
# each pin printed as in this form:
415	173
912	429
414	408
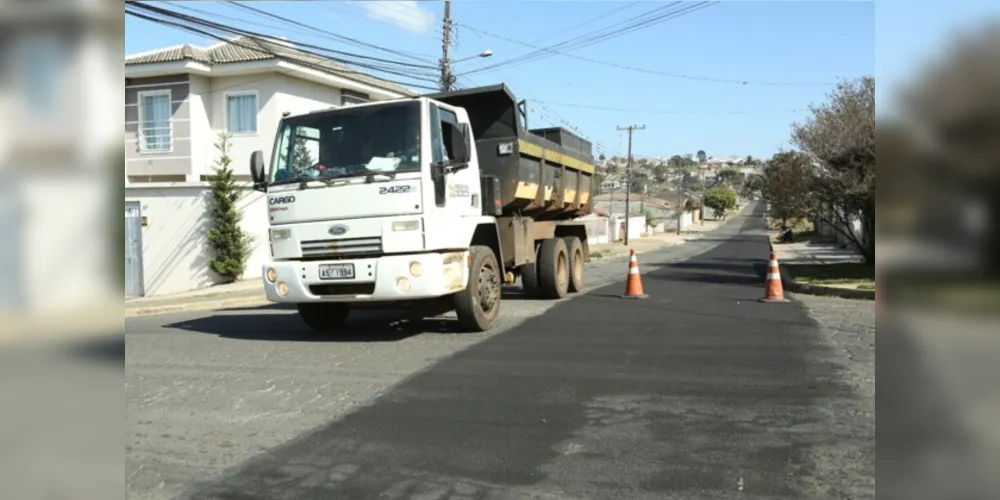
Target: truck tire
574	248
529	279
324	316
553	268
478	305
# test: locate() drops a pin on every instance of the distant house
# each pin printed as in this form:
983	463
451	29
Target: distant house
177	101
612	184
614	204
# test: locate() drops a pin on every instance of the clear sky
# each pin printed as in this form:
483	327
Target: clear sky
789	53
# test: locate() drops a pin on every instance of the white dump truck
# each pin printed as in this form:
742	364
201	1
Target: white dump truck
432	202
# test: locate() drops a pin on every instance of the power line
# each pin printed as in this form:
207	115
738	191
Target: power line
262	42
333	35
669	112
652	71
655	16
598	18
258	37
329	35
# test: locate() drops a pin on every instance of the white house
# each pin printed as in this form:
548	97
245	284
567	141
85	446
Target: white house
177	102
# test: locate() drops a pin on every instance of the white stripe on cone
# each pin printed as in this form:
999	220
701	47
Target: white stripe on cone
774	276
633	270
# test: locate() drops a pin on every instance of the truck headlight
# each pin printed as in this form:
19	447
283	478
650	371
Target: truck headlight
280	234
406	225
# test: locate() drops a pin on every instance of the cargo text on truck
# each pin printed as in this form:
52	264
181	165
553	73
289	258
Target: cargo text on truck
431	202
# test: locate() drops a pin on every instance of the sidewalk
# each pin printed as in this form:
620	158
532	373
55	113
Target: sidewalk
250	292
821	268
242	293
807	252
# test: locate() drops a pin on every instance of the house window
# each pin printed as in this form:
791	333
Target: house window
241	113
155	134
349	97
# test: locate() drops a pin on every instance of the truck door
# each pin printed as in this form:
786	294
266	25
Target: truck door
458	191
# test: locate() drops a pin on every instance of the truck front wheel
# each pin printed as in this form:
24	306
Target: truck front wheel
553	268
324	316
478	305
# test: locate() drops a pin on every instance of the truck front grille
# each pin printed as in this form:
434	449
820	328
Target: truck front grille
351	248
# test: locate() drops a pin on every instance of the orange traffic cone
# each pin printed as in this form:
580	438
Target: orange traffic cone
774	291
633	285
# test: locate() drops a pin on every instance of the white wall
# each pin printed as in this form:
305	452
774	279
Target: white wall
175	251
267	119
202	136
302	96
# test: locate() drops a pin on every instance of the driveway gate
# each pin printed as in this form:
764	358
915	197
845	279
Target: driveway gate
134	286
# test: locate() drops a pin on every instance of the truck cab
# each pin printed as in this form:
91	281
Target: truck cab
374	203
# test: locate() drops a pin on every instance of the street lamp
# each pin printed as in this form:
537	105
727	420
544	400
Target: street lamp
484	54
447	78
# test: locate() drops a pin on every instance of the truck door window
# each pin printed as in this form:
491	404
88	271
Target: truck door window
449	121
444	122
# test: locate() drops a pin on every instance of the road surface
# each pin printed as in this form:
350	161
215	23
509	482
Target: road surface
699	391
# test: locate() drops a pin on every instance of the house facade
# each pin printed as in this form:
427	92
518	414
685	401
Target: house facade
177	102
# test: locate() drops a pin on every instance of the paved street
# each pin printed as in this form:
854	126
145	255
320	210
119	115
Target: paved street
697	392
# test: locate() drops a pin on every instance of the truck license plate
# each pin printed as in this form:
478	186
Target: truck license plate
336	271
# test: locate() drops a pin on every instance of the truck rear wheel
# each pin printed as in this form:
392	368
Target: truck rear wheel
553	268
324	316
574	248
529	279
478	305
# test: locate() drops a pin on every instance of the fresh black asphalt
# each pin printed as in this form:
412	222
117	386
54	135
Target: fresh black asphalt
699	391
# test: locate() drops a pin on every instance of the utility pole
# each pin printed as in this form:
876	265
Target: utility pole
446	76
628	174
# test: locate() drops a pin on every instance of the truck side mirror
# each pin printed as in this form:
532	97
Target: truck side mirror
460	144
257	169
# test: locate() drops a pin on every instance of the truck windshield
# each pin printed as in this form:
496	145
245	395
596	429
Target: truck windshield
348	142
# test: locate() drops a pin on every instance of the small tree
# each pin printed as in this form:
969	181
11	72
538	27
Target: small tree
753	186
302	158
231	245
728	176
721	200
702	156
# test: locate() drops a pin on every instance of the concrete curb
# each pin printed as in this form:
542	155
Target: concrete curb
788	283
825	291
198	305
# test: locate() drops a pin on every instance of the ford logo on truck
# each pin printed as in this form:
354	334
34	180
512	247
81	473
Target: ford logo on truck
337	230
282	200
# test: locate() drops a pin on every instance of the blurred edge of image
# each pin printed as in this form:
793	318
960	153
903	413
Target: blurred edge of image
938	224
61	238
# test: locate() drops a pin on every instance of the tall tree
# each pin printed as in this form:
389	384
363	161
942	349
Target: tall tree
787	183
230	244
840	138
702	156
